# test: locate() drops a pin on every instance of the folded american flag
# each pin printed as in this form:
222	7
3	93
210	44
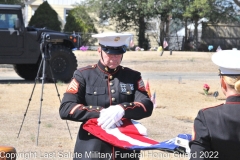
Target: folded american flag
131	135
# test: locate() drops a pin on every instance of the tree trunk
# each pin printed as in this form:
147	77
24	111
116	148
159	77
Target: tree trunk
196	33
237	2
162	33
141	32
186	35
167	27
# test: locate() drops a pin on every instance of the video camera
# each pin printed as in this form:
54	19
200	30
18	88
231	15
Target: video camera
51	37
47	39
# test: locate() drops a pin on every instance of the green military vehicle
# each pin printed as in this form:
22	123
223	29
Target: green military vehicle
20	46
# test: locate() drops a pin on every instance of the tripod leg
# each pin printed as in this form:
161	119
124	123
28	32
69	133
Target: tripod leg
58	95
37	77
40	110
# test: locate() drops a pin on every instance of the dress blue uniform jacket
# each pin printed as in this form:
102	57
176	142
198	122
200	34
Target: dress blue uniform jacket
217	132
96	87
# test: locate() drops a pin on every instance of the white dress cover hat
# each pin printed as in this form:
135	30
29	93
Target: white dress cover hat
113	43
228	61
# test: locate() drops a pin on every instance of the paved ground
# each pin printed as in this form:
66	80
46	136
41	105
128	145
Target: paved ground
11	75
180	65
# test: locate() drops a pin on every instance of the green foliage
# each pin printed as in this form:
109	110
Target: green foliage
237	2
214	10
45	16
78	20
224	12
198	9
134	14
126	14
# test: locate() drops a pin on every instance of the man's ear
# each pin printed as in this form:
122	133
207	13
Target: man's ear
99	49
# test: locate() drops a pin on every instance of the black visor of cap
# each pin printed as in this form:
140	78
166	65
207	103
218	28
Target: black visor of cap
221	74
113	50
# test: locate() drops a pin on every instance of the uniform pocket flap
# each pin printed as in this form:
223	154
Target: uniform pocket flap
95	90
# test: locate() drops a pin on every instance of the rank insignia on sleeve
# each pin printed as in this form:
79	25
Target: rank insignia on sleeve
73	87
141	85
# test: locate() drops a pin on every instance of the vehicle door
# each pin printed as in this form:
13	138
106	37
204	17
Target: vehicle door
11	39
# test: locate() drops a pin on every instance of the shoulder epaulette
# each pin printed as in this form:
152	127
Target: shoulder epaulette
212	107
88	67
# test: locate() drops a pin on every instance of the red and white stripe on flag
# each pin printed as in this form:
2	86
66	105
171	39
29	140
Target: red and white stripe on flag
130	135
165	44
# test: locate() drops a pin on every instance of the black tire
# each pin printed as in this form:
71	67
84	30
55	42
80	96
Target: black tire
63	63
26	71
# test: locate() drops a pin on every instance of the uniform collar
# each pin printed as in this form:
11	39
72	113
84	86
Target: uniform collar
233	98
107	69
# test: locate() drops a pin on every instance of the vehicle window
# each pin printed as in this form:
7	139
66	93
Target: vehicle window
7	20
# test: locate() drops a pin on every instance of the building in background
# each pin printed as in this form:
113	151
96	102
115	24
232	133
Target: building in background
62	7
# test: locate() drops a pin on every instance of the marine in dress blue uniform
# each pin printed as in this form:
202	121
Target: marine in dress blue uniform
216	132
109	94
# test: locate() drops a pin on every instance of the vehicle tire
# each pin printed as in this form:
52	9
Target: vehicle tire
63	63
26	71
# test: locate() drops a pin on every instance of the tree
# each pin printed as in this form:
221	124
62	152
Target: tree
126	14
135	14
45	16
78	20
237	2
214	10
164	10
196	10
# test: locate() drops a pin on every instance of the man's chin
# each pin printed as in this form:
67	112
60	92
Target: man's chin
113	66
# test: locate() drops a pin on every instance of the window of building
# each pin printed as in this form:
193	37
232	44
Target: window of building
66	12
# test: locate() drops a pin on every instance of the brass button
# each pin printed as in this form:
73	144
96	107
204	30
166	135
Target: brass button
92	66
128	92
113	91
97	108
94	92
113	99
110	77
106	69
111	83
89	133
130	103
125	105
90	106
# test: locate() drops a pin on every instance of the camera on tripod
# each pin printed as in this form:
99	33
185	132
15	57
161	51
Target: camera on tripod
51	37
47	40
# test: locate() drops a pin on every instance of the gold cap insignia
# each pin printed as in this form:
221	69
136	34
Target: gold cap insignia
116	38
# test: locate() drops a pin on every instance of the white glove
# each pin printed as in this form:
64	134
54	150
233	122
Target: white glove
110	116
117	124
